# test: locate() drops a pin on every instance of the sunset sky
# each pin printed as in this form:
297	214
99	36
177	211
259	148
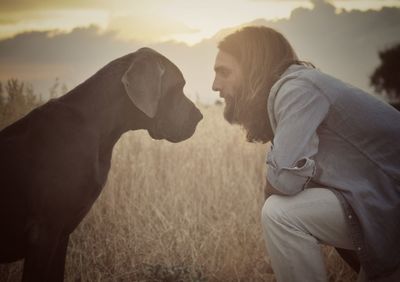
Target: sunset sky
70	40
154	20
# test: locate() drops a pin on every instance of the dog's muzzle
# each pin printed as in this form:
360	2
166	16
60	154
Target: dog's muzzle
182	130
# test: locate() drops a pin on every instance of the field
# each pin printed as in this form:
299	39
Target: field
178	212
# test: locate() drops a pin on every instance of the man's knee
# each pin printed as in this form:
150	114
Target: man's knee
273	210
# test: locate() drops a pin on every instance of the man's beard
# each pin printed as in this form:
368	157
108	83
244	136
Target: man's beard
229	111
231	103
251	114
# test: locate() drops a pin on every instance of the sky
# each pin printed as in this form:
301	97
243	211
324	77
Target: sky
153	20
70	40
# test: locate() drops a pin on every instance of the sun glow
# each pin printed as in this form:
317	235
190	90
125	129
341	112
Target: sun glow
202	19
148	21
154	20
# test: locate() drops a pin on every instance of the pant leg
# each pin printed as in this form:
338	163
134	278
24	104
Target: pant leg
293	227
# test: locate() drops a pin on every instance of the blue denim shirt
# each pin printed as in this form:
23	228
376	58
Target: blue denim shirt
331	134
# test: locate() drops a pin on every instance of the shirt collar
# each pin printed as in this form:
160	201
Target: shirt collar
292	68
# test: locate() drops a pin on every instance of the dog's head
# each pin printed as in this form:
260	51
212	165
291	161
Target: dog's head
155	86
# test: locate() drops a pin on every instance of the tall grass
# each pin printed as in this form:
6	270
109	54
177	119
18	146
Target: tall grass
178	212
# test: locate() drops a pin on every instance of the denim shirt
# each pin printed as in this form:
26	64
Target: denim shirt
331	134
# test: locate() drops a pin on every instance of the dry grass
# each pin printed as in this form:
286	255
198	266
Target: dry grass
178	212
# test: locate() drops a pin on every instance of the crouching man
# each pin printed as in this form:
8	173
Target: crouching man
333	170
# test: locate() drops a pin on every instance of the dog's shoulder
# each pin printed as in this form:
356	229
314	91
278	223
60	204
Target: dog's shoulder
51	132
56	120
57	113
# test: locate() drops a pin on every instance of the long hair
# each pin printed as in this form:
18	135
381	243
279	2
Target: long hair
263	55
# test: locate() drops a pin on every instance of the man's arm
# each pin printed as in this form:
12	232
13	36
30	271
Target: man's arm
299	110
270	190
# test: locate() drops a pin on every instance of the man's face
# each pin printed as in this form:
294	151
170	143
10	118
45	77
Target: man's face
228	81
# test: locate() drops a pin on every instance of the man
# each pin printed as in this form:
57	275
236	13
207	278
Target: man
333	171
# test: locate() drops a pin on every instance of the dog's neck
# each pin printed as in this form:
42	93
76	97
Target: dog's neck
103	104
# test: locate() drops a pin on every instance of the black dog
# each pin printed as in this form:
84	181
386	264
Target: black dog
54	162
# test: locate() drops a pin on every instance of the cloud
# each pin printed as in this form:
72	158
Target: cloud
8	21
40	57
142	20
143	27
344	44
79	45
25	5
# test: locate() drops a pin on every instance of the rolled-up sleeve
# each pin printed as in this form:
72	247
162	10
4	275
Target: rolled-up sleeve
299	110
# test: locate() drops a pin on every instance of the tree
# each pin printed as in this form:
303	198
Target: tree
53	90
1	97
15	107
386	77
64	89
19	100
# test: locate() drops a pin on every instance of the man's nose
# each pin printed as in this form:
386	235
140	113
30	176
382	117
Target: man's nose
216	86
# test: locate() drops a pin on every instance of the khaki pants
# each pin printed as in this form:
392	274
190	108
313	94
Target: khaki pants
294	226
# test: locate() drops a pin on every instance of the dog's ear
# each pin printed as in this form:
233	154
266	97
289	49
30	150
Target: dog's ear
142	82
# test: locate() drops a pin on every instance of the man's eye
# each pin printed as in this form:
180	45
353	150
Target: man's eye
224	73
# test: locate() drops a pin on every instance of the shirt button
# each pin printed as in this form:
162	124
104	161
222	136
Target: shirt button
350	216
359	248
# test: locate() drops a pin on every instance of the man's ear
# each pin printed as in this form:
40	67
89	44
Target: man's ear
142	82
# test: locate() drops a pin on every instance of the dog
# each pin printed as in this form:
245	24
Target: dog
54	161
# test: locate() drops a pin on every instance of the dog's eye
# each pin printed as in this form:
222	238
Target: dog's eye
175	93
176	89
172	94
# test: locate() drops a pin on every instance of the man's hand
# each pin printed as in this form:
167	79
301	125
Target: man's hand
270	190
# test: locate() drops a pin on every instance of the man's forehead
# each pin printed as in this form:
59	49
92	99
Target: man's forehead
226	60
